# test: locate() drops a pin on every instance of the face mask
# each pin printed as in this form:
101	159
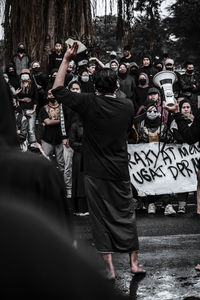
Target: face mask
126	54
169	68
25	77
190	71
85	78
12	73
52	100
152	115
142	81
114	69
159	68
20	50
36	70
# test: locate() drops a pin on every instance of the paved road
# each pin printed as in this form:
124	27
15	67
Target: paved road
169	250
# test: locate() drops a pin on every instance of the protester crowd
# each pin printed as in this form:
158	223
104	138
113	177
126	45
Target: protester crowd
55	131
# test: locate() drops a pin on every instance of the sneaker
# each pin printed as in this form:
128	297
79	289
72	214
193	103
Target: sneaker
169	210
181	210
151	208
181	207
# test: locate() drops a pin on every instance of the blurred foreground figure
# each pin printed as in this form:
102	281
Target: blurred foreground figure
37	260
27	174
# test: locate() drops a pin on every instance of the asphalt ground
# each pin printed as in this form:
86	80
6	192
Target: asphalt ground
169	251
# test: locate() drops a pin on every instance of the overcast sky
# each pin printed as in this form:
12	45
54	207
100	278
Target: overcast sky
101	7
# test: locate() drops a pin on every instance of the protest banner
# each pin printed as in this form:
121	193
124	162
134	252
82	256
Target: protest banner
156	171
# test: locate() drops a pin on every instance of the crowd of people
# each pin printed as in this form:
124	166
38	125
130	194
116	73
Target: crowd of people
56	131
82	113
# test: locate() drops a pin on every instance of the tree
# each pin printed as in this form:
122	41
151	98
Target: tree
40	23
184	24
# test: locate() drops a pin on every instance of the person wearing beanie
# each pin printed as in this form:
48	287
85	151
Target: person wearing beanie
154	94
191	85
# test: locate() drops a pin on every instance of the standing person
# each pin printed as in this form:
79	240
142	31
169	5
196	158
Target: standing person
141	91
148	68
56	57
67	117
127	82
21	59
51	139
127	58
191	135
41	82
28	100
78	191
106	120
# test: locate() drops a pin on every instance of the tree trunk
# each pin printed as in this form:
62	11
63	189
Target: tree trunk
40	23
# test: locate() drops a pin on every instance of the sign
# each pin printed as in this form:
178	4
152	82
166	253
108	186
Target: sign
156	171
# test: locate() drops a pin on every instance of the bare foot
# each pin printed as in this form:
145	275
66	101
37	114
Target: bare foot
110	274
197	267
137	270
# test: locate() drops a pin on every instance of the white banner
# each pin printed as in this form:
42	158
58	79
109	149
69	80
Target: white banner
156	172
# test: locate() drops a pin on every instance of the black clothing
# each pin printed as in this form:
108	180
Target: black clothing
150	71
126	60
127	84
51	133
31	93
113	215
102	141
55	61
78	189
190	134
87	87
140	96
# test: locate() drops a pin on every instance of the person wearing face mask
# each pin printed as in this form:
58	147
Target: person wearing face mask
51	136
191	85
158	65
114	65
21	59
152	129
41	81
12	75
179	83
141	90
85	80
28	101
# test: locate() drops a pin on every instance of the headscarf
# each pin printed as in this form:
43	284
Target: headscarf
147	81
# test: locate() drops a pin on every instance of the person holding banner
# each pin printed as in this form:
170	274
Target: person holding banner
191	135
106	121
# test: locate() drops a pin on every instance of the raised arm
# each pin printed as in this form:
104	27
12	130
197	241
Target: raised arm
60	78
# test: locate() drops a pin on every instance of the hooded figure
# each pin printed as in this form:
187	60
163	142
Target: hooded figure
148	68
141	90
127	82
151	129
